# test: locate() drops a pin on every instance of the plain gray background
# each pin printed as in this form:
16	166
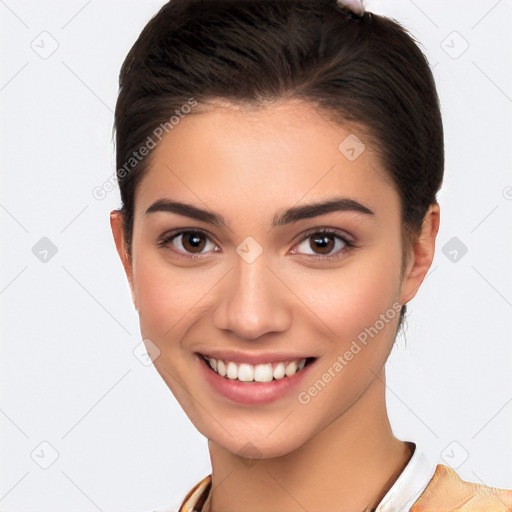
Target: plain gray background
85	424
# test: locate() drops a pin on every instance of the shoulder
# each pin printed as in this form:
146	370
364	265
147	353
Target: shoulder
447	491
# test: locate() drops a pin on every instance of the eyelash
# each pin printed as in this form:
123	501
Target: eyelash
319	231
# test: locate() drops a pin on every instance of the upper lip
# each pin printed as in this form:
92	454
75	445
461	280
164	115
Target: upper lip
259	358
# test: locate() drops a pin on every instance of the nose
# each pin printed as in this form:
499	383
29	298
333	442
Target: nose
253	301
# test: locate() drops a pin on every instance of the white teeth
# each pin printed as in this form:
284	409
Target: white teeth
231	370
245	372
221	368
279	371
263	373
260	373
291	369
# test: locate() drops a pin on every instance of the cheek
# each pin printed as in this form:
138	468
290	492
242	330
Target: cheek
165	296
358	304
352	297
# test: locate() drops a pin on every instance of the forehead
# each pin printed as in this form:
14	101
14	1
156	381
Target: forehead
257	160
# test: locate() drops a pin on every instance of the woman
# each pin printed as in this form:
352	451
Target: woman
278	163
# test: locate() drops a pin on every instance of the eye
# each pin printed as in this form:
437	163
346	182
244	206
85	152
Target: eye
329	242
190	242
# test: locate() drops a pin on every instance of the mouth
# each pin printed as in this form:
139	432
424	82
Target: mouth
263	372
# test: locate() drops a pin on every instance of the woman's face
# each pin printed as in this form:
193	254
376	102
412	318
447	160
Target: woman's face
264	286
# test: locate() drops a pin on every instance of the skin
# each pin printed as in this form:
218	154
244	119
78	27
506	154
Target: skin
337	452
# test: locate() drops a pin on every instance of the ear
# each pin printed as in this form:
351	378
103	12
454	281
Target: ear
116	223
421	255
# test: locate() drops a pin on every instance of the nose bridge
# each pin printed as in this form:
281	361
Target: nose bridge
252	302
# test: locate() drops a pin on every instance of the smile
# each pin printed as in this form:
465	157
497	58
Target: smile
266	372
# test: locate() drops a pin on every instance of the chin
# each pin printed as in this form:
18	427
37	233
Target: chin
258	447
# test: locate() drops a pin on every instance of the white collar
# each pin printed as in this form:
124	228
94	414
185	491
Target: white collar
410	484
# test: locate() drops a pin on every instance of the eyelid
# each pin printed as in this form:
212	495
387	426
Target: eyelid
332	231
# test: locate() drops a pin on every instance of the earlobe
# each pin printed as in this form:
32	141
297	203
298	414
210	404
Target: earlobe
116	224
421	255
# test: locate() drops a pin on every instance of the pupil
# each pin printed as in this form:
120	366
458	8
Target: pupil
194	241
323	241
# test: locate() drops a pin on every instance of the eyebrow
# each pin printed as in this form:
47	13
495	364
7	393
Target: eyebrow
294	214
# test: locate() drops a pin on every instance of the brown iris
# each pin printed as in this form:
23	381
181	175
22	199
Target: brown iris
321	239
192	241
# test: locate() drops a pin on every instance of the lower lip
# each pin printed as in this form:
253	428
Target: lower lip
251	393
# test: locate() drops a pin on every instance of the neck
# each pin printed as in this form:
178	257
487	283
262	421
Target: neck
349	466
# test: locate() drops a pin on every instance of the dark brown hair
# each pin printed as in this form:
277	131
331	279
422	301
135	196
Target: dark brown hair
365	72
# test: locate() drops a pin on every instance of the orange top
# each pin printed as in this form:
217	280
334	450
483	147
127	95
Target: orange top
421	487
447	491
